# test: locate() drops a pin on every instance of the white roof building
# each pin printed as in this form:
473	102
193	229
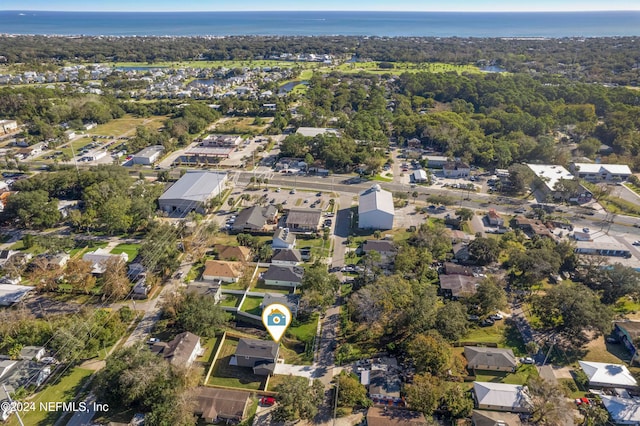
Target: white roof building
192	191
315	131
419	176
99	259
601	172
502	397
623	411
550	174
375	209
605	375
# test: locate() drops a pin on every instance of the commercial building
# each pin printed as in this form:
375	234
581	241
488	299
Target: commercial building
192	192
456	169
149	155
375	209
315	131
601	172
547	178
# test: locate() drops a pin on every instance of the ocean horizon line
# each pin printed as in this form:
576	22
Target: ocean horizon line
332	11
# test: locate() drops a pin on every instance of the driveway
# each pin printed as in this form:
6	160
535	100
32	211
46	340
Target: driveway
307	371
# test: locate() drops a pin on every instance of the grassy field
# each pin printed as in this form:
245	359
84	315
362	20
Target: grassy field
126	125
77	146
242	125
61	390
251	305
233	376
402	67
130	249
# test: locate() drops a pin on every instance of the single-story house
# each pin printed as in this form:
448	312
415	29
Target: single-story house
216	405
283	239
181	351
456	169
495	359
283	276
383	416
32	352
502	397
384	386
136	270
623	411
494	219
384	247
225	271
286	257
11	293
461	252
303	220
192	192
239	253
99	259
603	375
419	176
255	218
532	227
456	286
260	355
291	301
494	418
603	245
213	289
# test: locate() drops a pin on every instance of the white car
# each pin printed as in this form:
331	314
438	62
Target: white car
496	316
527	360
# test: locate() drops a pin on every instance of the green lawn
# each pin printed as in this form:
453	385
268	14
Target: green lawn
233	376
251	305
126	125
305	332
230	300
209	344
520	377
62	390
261	287
402	67
130	249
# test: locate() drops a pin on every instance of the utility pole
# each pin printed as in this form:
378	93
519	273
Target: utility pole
335	405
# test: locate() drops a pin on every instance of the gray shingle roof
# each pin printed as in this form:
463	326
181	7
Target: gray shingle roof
254	348
285	255
495	357
284	273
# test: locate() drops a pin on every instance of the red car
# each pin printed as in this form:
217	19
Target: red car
267	400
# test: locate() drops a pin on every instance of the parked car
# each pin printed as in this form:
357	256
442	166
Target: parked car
612	340
496	316
473	318
636	243
527	360
487	322
267	401
293	191
153	340
585	230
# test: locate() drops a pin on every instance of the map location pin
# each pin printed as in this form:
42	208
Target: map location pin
276	318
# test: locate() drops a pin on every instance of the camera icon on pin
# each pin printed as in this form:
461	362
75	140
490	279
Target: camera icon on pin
276	318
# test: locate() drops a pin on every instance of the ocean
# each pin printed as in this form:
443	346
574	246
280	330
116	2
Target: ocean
387	24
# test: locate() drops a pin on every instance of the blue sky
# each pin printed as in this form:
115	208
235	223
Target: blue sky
247	5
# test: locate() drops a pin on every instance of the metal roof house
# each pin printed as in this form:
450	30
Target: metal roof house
191	192
502	397
375	209
495	359
603	375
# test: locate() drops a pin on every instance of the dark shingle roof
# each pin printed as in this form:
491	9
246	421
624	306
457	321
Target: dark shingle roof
284	273
286	255
495	357
255	348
